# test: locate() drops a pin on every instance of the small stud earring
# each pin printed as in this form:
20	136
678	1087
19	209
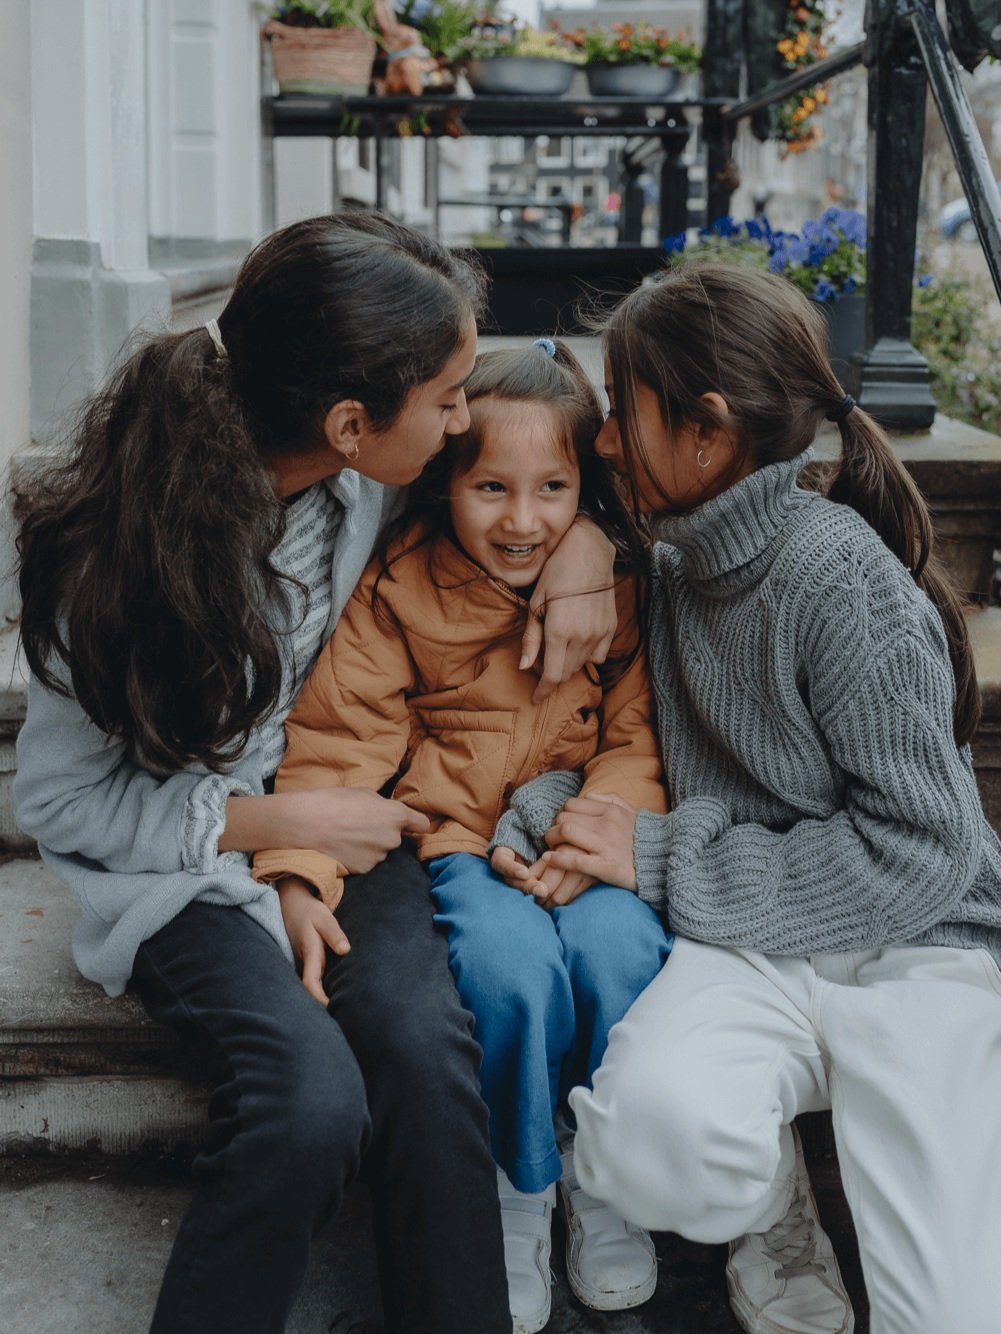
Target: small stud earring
352	454
703	463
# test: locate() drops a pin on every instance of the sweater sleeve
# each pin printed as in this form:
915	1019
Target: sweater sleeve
349	728
534	807
898	854
78	792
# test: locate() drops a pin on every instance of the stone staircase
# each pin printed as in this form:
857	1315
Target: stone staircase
89	1083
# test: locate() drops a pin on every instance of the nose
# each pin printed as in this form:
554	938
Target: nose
519	516
608	445
458	421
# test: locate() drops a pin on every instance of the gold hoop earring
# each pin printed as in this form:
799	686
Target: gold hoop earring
700	461
352	454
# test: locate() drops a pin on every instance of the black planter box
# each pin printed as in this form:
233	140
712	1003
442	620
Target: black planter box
540	291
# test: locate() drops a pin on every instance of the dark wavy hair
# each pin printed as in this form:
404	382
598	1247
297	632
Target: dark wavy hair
523	375
145	553
757	341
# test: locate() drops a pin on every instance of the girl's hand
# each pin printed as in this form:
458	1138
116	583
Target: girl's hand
513	870
573	606
356	826
594	836
556	887
311	927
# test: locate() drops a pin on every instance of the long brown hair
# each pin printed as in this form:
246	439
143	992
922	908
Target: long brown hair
757	341
145	554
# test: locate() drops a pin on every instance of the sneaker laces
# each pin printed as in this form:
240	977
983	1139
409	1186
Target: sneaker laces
792	1241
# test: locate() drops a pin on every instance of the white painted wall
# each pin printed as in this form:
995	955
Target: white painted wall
88	72
15	261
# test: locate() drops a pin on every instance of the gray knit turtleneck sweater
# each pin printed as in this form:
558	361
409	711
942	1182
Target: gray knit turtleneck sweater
805	698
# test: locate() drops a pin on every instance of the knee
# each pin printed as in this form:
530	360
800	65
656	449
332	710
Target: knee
514	977
313	1123
660	1150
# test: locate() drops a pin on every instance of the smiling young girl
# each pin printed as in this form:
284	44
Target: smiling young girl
826	864
423	674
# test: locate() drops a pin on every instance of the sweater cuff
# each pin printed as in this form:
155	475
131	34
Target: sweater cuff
203	822
539	802
512	833
668	843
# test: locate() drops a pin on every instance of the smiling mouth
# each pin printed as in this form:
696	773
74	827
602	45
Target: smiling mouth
518	551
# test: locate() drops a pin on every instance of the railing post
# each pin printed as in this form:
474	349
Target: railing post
673	204
890	379
720	78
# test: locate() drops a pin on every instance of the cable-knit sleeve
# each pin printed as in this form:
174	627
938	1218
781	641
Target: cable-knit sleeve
534	807
904	844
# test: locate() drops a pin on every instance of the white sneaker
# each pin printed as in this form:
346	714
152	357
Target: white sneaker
611	1265
787	1280
527	1223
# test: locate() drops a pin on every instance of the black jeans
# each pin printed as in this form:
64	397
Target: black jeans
383	1082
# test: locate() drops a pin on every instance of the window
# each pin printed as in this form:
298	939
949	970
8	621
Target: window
590	152
554	152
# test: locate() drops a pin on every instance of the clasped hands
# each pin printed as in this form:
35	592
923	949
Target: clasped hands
590	840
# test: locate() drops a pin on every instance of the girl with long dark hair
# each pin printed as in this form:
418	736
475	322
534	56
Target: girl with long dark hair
180	570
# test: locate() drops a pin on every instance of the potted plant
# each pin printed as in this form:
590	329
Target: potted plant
429	30
503	59
322	46
634	60
825	259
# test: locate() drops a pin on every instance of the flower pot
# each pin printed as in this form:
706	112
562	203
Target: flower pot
631	80
520	76
329	61
845	330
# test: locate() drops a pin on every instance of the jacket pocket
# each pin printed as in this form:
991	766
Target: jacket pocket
459	766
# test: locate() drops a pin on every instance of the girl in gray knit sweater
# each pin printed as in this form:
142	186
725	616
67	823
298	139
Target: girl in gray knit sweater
826	866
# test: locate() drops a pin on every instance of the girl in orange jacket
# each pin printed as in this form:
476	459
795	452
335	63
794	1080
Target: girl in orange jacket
422	683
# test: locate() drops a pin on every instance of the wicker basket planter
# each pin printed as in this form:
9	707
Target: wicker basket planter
321	60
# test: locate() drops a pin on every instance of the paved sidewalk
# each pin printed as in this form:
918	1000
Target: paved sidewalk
82	1248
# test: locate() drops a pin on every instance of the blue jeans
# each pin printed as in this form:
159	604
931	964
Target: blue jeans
544	988
381	1084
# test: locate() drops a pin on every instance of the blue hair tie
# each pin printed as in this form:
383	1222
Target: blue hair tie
547	345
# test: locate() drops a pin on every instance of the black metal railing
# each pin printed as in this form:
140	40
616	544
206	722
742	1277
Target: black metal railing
905	51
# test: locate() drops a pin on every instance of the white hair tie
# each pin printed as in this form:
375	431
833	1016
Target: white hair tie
213	330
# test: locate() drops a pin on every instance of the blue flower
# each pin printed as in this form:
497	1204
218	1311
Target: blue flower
674	245
925	279
755	231
824	291
724	226
849	285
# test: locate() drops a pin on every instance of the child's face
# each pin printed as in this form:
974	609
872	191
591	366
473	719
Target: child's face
510	510
667	473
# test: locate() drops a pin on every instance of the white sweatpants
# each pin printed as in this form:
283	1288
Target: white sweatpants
687	1127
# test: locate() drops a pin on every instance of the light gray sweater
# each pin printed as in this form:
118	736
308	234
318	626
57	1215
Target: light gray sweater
136	846
805	696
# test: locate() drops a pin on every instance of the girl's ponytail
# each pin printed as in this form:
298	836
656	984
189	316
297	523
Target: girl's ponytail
874	482
756	340
144	560
145	553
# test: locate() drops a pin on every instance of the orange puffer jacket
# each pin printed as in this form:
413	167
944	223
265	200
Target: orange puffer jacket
428	686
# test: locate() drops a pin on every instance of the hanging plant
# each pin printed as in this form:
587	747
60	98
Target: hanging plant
802	44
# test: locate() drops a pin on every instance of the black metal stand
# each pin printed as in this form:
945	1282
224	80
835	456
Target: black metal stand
660	129
890	379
